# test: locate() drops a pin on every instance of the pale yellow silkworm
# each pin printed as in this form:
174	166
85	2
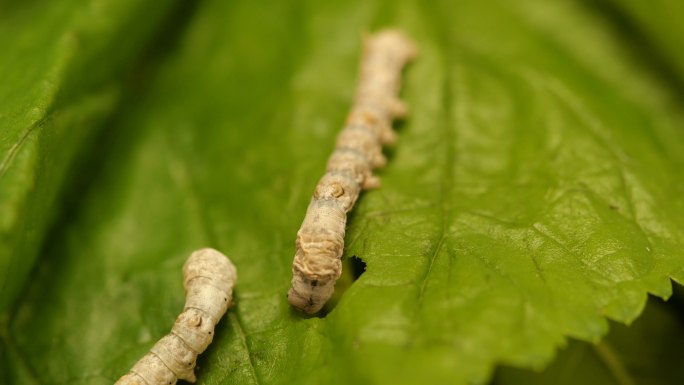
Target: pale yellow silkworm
209	278
320	240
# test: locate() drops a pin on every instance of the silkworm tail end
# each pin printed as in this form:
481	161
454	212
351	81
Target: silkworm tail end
310	294
303	302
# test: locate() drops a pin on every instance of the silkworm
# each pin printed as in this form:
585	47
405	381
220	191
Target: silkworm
208	278
320	240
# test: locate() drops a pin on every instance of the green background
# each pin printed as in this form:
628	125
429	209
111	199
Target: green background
534	193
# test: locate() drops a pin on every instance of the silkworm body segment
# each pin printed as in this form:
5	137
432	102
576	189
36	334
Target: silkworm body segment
320	240
209	278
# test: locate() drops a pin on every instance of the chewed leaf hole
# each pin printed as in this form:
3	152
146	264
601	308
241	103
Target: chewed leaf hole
352	268
357	266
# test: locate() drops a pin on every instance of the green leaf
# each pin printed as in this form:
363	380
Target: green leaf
532	195
646	352
61	65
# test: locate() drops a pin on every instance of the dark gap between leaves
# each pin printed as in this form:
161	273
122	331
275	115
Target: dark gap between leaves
639	45
661	325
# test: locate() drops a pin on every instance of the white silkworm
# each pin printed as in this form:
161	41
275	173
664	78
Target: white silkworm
209	278
320	240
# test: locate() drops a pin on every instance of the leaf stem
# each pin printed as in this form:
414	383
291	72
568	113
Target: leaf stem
613	363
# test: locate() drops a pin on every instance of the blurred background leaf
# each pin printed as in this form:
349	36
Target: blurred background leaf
646	352
656	28
62	66
534	191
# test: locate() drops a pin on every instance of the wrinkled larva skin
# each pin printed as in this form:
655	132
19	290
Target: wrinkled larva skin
320	240
209	278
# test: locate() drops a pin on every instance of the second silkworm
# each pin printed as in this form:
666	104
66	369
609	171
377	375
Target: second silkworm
320	240
209	278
